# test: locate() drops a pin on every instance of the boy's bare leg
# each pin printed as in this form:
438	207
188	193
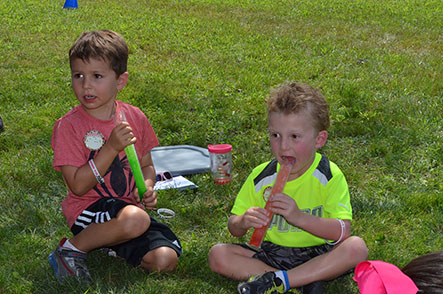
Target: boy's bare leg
130	223
235	262
162	259
330	265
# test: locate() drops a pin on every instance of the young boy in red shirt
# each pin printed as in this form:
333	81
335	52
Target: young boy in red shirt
102	207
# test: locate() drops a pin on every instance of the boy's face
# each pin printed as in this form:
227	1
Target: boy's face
293	135
96	86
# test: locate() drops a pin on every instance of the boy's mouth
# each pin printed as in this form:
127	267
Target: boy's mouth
290	158
89	97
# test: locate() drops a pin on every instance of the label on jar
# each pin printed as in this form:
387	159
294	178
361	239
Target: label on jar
221	168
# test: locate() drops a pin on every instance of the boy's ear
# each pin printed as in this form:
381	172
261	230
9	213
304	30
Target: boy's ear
320	141
122	80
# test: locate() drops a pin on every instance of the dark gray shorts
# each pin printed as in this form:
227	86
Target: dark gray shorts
286	258
157	235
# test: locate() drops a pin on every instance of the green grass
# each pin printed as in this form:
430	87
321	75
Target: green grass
201	70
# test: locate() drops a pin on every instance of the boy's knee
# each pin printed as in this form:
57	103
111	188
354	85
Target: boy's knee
134	221
162	259
357	249
216	258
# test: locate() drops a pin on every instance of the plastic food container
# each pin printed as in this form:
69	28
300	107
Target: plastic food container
221	163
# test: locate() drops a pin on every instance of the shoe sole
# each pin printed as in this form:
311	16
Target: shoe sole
53	263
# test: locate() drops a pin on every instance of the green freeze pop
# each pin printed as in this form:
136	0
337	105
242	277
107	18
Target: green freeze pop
135	164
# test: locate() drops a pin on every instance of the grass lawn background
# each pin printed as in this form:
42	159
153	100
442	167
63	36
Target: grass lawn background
201	70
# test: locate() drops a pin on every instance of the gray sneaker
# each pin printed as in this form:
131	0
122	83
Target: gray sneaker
69	263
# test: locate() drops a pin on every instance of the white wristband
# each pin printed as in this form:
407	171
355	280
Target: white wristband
342	225
97	175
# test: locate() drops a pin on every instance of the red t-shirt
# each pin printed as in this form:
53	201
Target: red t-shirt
68	143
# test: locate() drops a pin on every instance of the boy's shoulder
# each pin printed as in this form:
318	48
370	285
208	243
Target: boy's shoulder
72	114
325	170
264	170
128	108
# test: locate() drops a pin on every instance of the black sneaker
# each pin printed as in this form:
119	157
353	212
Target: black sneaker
69	263
266	283
313	288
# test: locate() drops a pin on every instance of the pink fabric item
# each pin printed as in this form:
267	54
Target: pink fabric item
379	277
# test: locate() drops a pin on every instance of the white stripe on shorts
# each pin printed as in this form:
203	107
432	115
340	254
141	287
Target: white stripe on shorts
87	212
85	219
80	224
88	217
102	217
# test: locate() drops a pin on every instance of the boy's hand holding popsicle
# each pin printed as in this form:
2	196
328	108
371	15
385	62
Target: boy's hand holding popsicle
121	137
142	194
282	177
149	198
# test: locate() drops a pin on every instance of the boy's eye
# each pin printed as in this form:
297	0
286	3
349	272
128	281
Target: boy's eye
275	135
78	76
294	136
98	76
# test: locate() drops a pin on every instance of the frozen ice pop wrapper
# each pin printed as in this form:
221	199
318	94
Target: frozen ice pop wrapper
135	164
282	178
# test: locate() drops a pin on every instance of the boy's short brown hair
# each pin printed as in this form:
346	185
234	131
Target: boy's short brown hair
106	45
295	97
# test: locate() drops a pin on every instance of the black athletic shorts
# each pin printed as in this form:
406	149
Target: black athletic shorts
157	235
286	258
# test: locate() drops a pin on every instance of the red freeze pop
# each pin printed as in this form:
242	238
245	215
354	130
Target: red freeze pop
282	177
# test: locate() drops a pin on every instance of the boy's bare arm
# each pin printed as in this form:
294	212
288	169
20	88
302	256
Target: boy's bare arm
329	229
148	170
81	179
254	217
234	226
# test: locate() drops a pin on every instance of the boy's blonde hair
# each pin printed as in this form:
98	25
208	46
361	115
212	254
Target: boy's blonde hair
296	97
105	45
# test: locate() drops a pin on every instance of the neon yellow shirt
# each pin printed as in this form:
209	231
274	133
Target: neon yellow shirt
321	191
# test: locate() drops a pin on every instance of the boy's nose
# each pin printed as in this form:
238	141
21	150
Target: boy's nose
284	144
86	83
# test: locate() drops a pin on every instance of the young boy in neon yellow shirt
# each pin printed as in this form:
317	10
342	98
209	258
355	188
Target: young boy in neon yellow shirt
308	239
